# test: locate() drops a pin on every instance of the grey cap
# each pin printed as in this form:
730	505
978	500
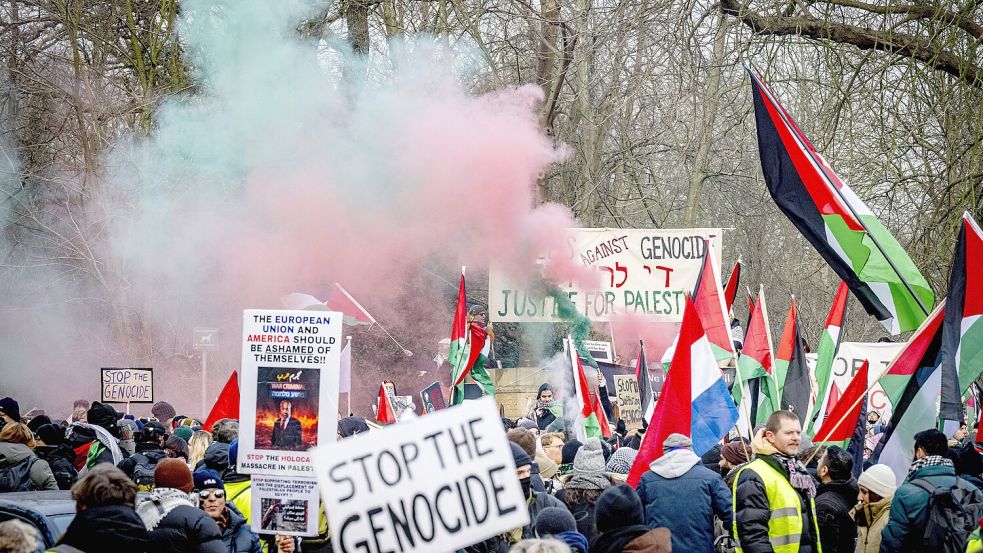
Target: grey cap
675	441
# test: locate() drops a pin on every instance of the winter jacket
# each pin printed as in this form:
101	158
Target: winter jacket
537	503
186	529
837	530
237	536
216	458
41	475
909	510
635	538
682	495
61	460
146	454
581	507
109	528
871	520
752	511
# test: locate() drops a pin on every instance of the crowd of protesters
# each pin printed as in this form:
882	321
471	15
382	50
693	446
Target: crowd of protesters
166	484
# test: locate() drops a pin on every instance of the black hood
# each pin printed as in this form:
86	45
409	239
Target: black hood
217	457
53	451
107	528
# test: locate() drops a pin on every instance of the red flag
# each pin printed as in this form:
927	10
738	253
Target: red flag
386	414
227	404
842	418
340	300
602	418
730	290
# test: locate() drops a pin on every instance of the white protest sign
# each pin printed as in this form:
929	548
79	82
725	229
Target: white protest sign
289	393
284	505
849	359
644	272
626	388
127	385
436	483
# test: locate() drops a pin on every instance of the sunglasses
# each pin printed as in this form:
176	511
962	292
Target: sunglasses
208	494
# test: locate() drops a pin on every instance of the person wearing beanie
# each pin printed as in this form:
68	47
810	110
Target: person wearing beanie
734	455
36	422
569	451
621	525
588	480
621	460
559	524
51	447
148	452
677	474
547	409
9	410
877	485
236	534
183	432
164	413
536	501
169	514
527	441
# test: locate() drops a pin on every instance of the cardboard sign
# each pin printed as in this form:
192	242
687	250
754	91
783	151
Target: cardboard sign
643	272
127	385
626	388
433	398
289	396
600	351
435	483
287	505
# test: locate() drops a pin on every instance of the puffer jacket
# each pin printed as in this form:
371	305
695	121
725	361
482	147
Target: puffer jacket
752	511
107	528
237	536
681	494
186	529
837	530
909	510
216	458
61	460
41	476
871	520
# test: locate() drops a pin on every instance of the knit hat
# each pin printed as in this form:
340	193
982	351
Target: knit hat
519	455
234	453
618	506
51	434
163	411
621	461
676	441
553	520
590	457
206	479
350	426
569	451
38	422
9	407
101	414
527	424
184	432
173	473
736	452
879	479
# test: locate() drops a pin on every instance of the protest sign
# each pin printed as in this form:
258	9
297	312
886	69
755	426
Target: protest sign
436	483
644	272
848	360
289	399
127	385
285	505
433	398
626	388
600	351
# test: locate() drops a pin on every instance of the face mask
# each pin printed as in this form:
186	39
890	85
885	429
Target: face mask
526	484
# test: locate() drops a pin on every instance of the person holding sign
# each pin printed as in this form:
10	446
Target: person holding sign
236	534
286	429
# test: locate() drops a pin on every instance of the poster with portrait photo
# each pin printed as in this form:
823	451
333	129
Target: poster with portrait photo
289	396
286	408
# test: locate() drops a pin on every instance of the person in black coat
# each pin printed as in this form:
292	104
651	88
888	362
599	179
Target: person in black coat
835	496
149	451
105	519
620	520
61	458
175	524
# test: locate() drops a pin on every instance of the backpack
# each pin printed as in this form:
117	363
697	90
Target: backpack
953	514
18	477
143	472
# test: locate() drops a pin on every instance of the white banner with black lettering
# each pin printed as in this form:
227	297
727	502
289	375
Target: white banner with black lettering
643	272
435	483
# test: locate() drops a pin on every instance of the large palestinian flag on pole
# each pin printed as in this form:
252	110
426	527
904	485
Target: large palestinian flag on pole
899	372
468	350
836	222
962	329
829	343
791	370
712	310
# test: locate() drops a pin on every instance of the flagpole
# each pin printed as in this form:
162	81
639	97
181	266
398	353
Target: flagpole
349	346
852	407
808	151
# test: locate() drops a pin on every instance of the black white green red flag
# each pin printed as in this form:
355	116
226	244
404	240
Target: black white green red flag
791	370
829	344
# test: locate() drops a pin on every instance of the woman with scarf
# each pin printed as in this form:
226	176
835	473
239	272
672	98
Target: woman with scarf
547	408
585	485
776	482
174	522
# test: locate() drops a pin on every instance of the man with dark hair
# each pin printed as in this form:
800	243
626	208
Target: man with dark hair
909	513
836	495
547	409
286	429
225	431
774	494
105	519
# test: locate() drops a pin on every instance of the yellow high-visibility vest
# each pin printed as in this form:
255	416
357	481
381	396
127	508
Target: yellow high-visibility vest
785	522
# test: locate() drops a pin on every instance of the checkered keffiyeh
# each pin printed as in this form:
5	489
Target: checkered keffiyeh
928	461
621	460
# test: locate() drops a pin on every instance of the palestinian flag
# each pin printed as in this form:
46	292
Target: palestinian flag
791	370
757	360
589	425
842	420
962	328
836	222
354	314
829	344
386	413
712	310
916	408
898	374
646	399
468	350
730	290
602	417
